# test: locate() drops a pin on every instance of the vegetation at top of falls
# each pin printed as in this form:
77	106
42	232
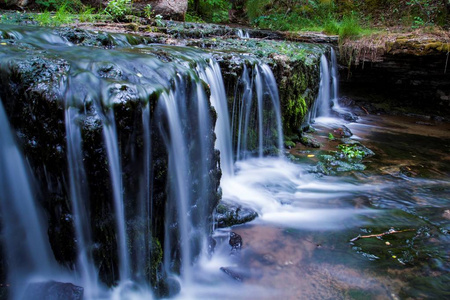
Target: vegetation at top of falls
346	18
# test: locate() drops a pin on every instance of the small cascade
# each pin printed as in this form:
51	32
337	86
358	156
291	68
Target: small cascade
327	98
185	138
112	149
80	202
213	76
23	230
321	107
265	115
242	34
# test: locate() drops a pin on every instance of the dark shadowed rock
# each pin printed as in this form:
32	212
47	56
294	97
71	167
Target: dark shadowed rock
235	242
228	215
53	290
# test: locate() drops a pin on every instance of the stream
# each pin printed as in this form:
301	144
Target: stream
300	246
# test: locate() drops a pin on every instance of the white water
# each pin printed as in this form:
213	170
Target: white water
243	34
327	99
275	188
112	149
80	203
261	83
23	226
283	193
213	76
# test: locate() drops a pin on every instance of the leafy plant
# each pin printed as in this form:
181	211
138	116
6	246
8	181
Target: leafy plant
117	9
88	15
148	11
54	5
62	16
159	21
44	19
349	27
351	151
215	11
331	137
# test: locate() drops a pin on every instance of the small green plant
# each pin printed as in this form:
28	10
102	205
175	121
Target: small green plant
350	27
117	9
62	16
148	11
44	19
159	21
418	22
351	151
331	137
88	15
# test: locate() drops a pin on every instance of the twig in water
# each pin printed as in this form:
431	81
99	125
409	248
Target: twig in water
391	231
362	107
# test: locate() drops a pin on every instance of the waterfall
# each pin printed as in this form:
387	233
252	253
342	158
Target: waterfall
125	101
213	76
185	134
321	107
242	34
328	88
23	228
80	202
265	115
112	149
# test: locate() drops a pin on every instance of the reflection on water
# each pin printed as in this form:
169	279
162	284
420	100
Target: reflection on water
299	247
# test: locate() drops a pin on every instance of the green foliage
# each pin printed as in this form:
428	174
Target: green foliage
62	16
159	21
215	11
331	137
349	27
88	15
148	11
44	19
55	5
351	151
193	18
117	9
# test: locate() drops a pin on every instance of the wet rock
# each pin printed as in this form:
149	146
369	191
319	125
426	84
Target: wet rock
228	214
309	141
168	288
53	290
235	242
342	132
233	274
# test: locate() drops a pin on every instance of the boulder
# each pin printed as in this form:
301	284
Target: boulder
169	9
13	3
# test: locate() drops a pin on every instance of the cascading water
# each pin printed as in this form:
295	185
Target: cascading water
243	34
124	101
98	86
23	228
112	148
328	89
265	115
213	76
80	204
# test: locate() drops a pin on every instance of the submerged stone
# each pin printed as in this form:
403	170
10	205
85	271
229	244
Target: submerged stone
53	290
